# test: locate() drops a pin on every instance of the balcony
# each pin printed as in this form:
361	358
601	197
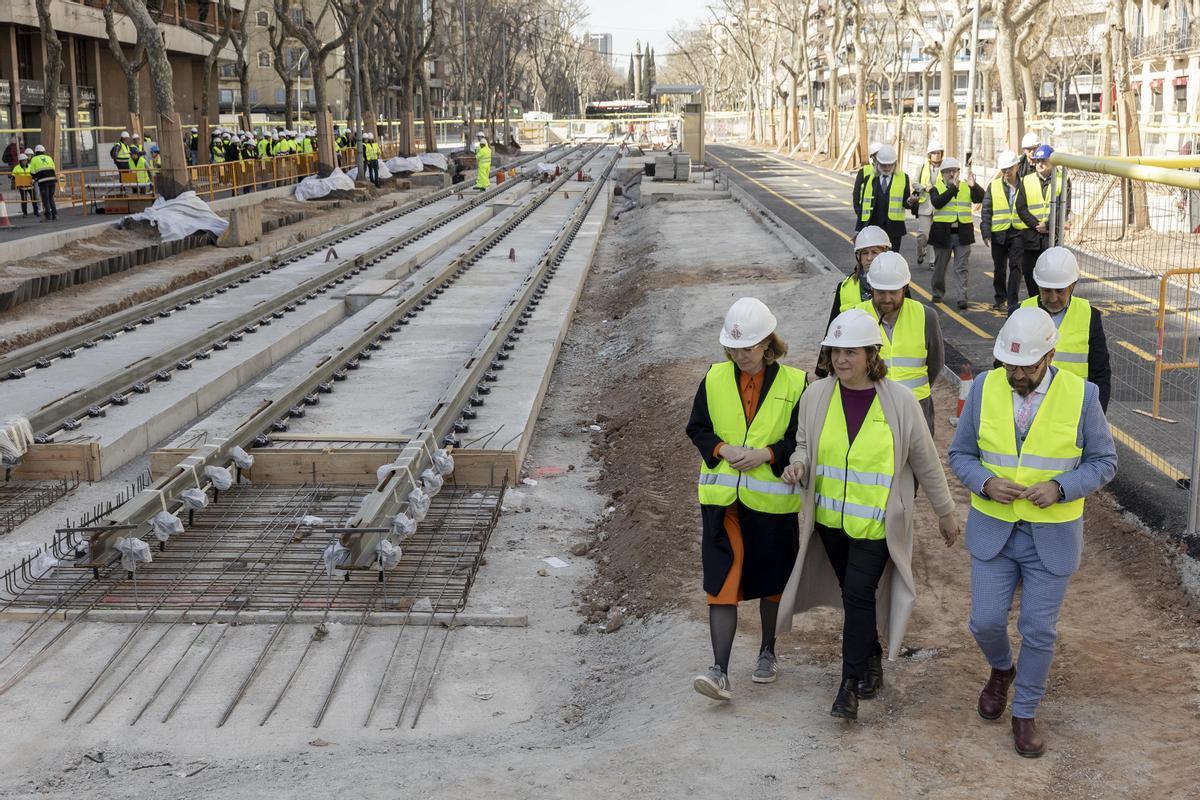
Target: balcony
1175	41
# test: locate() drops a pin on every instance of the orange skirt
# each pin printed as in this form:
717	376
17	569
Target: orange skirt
731	590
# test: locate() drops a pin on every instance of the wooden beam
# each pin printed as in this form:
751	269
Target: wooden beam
51	461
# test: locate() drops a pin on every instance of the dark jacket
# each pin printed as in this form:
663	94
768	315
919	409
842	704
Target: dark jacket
1033	239
939	232
1099	371
771	541
1024	167
879	211
985	219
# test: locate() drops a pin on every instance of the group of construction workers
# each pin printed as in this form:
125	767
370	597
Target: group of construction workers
35	177
136	161
807	481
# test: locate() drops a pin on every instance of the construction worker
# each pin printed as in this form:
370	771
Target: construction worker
856	287
951	230
217	148
864	174
912	338
743	422
926	178
1029	143
46	177
155	158
1003	232
1035	198
1082	348
192	143
306	144
862	444
371	156
891	186
483	162
121	152
1031	443
140	169
22	181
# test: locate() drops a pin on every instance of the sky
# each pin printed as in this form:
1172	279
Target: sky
647	20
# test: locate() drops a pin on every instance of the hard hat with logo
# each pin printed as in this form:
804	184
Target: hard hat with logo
1029	140
934	147
1026	337
886	154
853	328
873	148
872	236
39	149
1044	151
1007	159
1056	268
747	323
950	162
889	272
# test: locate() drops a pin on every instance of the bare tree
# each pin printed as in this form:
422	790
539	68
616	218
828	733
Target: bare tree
942	49
1011	17
130	66
286	72
241	66
51	80
216	44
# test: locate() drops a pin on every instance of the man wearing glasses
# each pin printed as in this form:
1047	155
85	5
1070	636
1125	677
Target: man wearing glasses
1035	196
1031	443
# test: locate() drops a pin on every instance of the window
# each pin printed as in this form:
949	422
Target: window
279	99
82	74
292	57
308	96
225	97
264	58
227	70
262	19
254	97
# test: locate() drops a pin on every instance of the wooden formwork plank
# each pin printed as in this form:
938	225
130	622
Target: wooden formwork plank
65	460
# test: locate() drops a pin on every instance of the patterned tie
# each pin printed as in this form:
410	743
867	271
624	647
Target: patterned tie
1024	415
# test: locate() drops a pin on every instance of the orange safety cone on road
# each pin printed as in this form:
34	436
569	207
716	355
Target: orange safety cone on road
965	379
4	223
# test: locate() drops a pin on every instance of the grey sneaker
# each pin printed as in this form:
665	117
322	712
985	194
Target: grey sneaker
768	668
713	684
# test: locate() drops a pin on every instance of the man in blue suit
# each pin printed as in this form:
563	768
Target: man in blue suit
1032	442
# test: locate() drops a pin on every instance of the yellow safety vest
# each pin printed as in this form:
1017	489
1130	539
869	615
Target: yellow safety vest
1049	450
849	293
263	147
924	178
1074	336
895	199
140	171
959	207
853	479
905	352
123	153
307	146
22	177
868	172
758	488
483	167
1004	216
1037	199
40	163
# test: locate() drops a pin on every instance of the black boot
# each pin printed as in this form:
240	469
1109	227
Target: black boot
869	686
845	705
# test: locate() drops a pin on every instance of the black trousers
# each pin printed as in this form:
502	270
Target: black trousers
373	171
859	564
1008	262
1028	262
49	207
896	238
30	194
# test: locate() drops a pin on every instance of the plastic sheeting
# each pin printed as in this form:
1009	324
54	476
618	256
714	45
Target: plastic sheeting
334	556
43	563
436	160
164	524
193	499
16	435
418	504
403	526
133	552
310	521
401	164
443	462
220	477
313	188
431	482
546	168
241	458
181	217
388	554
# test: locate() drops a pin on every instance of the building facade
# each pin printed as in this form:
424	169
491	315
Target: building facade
1164	41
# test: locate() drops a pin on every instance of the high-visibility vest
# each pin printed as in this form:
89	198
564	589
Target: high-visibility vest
307	146
483	166
218	152
849	293
895	199
263	148
1039	199
959	207
852	480
904	351
868	172
123	153
371	151
758	488
40	163
140	170
1049	450
1074	336
925	178
22	177
1004	216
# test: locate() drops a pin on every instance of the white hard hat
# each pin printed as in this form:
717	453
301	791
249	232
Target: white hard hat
195	129
1056	268
747	323
889	272
1030	139
873	148
22	156
853	328
137	136
1026	337
886	154
934	145
28	152
39	149
124	134
1007	159
871	236
950	162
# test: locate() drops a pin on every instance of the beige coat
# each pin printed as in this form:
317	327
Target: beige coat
813	581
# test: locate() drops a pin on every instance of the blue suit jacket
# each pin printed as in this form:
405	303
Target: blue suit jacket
1059	545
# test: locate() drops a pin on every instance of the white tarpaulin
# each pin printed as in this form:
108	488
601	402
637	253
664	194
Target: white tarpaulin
384	172
546	168
312	187
181	217
400	164
436	160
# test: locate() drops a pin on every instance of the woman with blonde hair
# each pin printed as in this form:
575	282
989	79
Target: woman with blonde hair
743	423
860	441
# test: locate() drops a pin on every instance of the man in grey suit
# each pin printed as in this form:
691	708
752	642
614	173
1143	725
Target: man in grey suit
1032	442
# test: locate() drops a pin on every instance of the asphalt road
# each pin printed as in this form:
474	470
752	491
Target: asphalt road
816	202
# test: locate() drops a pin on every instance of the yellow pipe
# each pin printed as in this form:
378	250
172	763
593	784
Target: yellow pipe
1178	162
1122	169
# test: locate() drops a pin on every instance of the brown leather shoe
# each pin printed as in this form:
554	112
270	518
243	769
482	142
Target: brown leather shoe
994	697
1026	738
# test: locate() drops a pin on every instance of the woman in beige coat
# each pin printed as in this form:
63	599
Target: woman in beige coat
860	440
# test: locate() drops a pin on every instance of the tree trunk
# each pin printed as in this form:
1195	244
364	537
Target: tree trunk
427	112
1006	69
948	110
1103	147
1033	101
1127	117
244	87
51	79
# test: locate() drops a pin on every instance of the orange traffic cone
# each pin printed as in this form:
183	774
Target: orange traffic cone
965	379
4	223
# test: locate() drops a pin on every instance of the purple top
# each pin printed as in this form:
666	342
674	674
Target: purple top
855	404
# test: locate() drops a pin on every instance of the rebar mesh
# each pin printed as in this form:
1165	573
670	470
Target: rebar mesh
20	500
